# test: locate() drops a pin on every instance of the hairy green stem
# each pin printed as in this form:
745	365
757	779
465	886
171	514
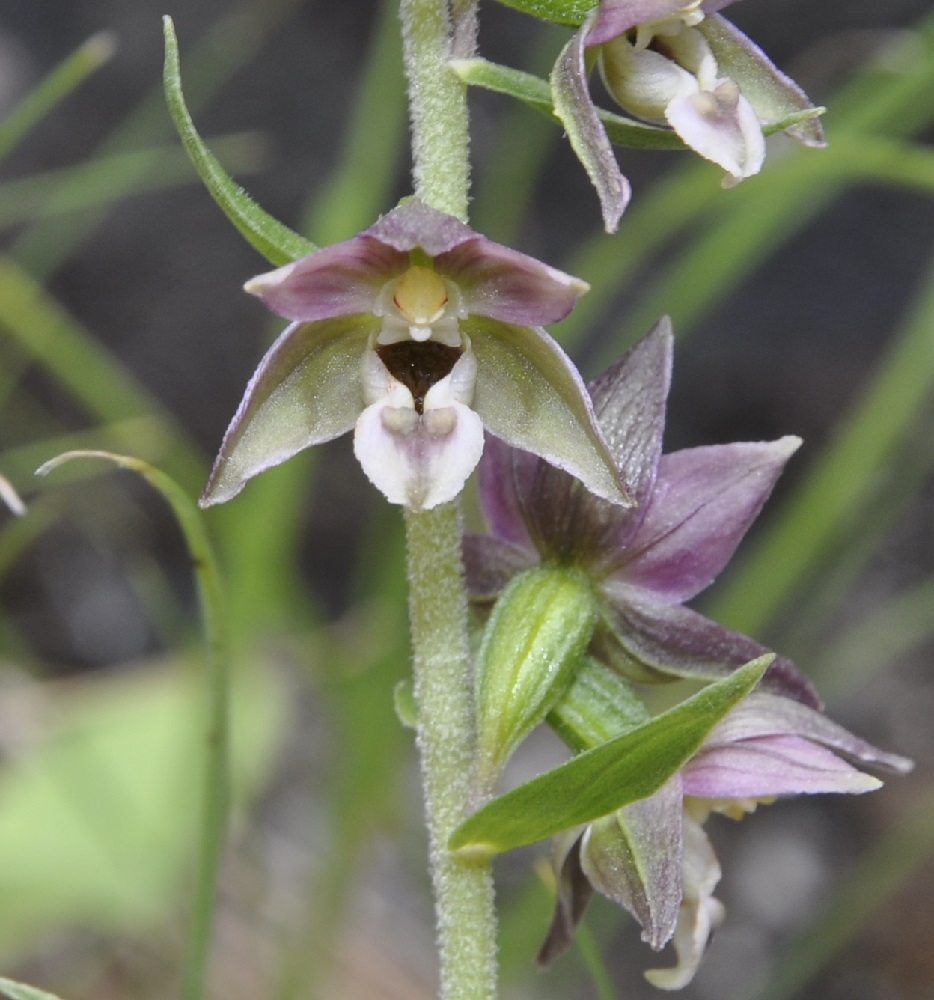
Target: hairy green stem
463	885
437	102
432	30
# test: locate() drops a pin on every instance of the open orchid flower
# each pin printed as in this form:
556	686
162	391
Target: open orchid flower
654	858
416	334
692	509
677	64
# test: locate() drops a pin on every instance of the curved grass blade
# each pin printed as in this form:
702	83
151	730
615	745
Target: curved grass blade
276	242
599	781
216	801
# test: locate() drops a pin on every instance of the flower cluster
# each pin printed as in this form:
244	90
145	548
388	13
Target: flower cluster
417	333
684	66
692	508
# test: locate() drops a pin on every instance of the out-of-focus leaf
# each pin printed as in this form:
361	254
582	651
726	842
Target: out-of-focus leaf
20	991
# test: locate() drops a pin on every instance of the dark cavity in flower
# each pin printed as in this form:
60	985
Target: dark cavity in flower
418	365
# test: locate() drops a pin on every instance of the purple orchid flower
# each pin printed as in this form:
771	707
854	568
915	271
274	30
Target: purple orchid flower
681	65
692	509
654	858
416	334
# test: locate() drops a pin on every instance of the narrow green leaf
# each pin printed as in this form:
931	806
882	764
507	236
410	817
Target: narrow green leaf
20	991
571	12
271	238
595	783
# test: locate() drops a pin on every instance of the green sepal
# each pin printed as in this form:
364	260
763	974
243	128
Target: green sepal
536	92
600	781
276	242
20	991
532	644
597	706
573	12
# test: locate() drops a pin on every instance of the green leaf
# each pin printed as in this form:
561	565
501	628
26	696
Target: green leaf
276	242
598	782
572	12
20	991
536	92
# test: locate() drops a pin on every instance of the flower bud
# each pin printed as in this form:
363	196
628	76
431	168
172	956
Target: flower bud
533	644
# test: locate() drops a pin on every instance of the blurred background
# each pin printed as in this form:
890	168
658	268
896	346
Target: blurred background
804	303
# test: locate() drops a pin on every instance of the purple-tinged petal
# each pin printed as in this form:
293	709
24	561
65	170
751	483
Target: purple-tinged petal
338	280
306	390
721	126
507	285
703	503
490	563
762	714
770	766
574	107
413	225
700	914
774	95
505	474
529	394
629	402
634	858
573	893
618	16
651	637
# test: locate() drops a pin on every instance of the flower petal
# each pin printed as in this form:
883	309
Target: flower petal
505	477
529	394
490	563
769	766
773	95
618	16
634	858
336	281
573	893
655	639
762	714
506	285
722	126
415	225
629	402
306	390
700	913
574	107
419	461
703	503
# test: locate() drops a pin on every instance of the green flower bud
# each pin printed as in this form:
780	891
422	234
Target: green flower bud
532	645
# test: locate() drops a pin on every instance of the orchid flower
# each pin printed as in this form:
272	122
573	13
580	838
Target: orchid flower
654	858
416	334
679	65
691	510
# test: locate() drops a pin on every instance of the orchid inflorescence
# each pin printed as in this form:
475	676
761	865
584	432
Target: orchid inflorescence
426	340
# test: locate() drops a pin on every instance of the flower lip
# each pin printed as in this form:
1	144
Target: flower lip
418	365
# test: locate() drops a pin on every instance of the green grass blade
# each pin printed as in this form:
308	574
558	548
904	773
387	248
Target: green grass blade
68	75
